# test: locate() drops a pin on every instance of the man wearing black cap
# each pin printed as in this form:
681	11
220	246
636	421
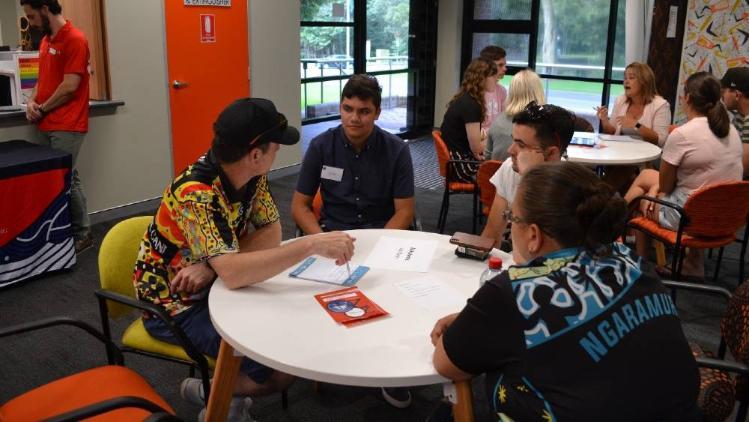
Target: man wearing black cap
200	231
735	85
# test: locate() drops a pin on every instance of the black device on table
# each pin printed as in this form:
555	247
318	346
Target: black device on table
472	246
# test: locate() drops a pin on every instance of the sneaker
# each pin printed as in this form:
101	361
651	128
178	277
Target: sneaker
191	390
239	411
84	243
397	397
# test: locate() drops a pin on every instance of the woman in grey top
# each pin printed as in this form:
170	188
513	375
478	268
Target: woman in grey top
525	87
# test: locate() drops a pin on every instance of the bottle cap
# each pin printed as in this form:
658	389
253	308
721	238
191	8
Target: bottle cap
495	263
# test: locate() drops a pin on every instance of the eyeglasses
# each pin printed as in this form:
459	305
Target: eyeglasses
537	112
509	216
282	124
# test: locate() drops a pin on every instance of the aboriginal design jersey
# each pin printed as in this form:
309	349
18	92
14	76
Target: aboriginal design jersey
572	336
201	216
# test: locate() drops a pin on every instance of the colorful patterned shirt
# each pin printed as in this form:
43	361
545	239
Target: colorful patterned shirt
201	216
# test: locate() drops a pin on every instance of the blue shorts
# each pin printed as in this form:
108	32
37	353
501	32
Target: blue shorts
196	323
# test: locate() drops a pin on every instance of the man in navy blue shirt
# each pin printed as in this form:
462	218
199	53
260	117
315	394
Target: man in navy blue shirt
364	173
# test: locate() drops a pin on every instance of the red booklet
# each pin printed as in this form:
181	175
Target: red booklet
349	306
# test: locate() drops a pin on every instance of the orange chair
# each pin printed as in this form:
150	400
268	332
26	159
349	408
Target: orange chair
486	189
709	219
106	393
452	186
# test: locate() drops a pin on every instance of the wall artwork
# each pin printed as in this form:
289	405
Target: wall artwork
716	39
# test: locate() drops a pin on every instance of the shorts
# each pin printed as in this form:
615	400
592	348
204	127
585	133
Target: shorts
196	323
668	218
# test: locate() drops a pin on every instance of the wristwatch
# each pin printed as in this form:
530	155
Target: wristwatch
638	125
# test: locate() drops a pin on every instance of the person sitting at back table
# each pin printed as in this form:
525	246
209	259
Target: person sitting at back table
640	110
201	231
494	100
735	93
580	328
525	87
540	133
703	151
461	126
364	174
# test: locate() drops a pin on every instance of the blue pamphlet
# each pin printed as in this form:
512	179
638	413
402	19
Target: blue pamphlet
326	271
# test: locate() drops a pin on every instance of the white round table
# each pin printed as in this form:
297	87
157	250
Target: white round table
611	153
280	324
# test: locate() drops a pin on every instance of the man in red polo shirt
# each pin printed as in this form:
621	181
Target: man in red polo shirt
59	103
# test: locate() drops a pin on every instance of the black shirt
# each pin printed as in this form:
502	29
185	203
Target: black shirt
572	337
371	179
462	111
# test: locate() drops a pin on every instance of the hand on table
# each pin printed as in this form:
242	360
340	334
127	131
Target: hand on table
334	245
441	326
192	279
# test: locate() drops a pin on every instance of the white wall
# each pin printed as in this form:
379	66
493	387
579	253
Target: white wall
450	23
126	156
274	63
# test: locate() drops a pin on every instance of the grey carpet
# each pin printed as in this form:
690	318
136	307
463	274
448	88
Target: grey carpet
33	359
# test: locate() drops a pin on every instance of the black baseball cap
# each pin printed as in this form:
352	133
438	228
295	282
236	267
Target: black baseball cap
253	122
736	78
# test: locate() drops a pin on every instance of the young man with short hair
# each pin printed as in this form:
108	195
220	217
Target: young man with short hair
201	231
364	174
495	100
540	133
59	103
735	84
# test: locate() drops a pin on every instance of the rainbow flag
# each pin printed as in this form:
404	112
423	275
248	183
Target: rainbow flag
29	71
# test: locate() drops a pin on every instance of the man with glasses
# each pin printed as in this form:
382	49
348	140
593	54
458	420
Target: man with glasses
364	175
201	231
540	133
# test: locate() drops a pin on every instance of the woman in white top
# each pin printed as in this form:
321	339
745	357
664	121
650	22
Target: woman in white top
705	150
640	110
525	87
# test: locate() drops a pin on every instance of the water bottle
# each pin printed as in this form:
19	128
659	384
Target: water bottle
495	267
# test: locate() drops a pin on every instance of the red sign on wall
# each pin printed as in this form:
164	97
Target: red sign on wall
207	28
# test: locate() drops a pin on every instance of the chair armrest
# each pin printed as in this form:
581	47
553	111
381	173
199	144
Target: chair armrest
54	321
696	287
107	406
678	209
723	365
158	311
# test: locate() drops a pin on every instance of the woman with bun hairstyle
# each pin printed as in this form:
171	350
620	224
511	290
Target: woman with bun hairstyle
461	126
578	329
705	150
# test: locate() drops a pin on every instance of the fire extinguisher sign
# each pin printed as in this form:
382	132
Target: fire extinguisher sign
207	28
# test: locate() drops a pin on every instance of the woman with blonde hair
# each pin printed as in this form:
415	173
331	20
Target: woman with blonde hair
640	110
525	87
461	126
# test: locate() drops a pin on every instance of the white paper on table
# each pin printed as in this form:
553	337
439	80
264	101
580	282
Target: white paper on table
402	254
325	270
431	293
617	138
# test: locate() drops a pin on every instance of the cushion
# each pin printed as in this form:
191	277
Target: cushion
669	236
136	337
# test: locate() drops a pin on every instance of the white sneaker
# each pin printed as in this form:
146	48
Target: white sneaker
399	397
191	390
239	411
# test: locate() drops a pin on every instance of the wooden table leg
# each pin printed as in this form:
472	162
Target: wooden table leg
463	406
222	386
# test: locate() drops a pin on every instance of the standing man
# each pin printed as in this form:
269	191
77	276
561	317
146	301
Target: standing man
59	102
735	84
494	100
202	230
539	133
364	173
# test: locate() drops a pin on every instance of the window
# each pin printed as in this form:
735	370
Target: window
576	46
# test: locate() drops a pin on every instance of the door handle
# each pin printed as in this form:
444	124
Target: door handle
179	84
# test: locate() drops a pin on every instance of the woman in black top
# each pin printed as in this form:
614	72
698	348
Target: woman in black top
461	126
580	328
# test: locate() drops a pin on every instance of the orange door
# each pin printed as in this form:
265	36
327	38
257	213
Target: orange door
208	66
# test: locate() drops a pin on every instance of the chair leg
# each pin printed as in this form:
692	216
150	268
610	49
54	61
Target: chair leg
717	264
443	211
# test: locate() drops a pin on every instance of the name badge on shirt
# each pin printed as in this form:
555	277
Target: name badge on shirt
331	173
52	51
